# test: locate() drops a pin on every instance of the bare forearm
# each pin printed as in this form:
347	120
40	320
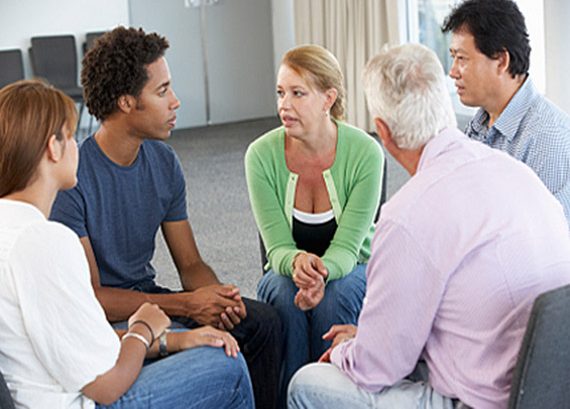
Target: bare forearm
119	304
110	386
197	275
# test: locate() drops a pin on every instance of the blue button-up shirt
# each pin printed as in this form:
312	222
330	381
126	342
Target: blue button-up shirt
531	129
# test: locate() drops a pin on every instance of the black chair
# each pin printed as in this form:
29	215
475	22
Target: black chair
11	67
54	58
376	217
90	39
542	373
6	401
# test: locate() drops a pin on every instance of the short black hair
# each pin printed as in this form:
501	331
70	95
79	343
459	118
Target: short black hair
116	65
496	25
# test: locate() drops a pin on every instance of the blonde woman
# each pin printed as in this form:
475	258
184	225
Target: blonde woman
314	185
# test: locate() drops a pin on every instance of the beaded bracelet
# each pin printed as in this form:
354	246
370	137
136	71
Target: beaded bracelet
137	336
152	337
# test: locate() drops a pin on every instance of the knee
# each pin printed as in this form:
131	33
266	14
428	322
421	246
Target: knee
235	376
237	370
221	368
276	289
266	316
348	292
307	379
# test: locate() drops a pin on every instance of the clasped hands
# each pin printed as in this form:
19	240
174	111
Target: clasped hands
309	274
219	305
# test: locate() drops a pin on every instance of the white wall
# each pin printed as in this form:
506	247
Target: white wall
533	12
22	19
283	29
556	19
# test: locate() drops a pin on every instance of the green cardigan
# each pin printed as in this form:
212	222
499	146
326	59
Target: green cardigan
353	183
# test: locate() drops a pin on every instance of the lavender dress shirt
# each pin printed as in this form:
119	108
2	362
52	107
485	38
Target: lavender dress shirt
459	255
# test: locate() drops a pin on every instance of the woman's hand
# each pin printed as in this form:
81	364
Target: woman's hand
205	336
308	270
153	316
309	298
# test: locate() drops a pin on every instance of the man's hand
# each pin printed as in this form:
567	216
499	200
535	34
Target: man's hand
207	304
232	316
338	334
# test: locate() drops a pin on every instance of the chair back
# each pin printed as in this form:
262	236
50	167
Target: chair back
55	59
90	40
6	401
541	378
11	67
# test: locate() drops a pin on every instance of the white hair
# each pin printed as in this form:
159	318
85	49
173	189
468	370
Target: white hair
405	87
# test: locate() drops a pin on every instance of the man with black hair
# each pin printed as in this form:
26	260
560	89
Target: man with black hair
491	56
130	184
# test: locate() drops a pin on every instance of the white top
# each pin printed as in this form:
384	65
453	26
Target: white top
313	218
54	336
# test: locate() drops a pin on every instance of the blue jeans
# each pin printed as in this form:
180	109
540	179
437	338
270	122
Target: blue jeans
303	330
258	336
325	386
197	378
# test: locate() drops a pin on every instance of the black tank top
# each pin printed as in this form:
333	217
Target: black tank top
313	236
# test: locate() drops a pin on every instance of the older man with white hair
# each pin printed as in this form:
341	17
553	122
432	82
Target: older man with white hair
460	254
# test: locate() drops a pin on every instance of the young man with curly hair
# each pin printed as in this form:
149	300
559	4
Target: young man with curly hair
131	184
491	58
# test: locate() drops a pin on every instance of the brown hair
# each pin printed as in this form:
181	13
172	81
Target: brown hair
31	111
320	67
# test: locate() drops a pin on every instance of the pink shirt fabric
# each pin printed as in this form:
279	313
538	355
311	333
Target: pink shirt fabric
458	257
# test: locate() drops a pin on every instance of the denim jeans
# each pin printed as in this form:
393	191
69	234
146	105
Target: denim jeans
325	386
303	331
259	338
197	378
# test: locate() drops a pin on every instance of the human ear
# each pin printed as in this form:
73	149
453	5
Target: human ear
54	149
383	132
125	103
330	98
503	61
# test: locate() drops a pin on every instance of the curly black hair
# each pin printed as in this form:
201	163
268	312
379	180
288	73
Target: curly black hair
116	66
496	25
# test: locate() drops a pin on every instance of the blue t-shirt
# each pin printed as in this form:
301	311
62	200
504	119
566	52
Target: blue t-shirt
121	208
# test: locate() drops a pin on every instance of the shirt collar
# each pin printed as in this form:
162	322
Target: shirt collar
438	144
22	209
511	117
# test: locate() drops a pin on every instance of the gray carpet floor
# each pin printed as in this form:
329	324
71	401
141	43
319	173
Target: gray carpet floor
218	204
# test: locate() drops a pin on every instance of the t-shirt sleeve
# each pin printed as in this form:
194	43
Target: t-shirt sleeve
69	209
178	209
65	323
